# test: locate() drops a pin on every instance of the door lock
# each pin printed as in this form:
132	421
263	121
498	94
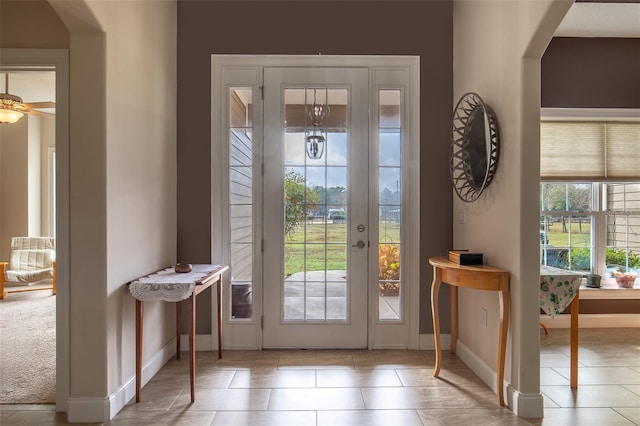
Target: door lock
359	244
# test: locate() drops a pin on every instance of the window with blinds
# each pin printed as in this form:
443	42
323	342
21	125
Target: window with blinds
589	150
590	195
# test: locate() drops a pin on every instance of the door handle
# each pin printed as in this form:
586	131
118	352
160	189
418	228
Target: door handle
359	244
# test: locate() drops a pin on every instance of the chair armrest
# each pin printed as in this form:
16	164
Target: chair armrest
55	270
3	268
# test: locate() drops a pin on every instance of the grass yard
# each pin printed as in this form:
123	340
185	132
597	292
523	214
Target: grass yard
315	235
580	235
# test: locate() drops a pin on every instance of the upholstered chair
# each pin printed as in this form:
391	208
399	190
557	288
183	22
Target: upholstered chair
32	261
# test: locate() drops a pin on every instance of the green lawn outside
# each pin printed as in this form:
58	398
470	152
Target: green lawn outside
580	235
335	234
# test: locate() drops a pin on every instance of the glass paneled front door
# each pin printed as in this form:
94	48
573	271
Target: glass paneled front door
316	186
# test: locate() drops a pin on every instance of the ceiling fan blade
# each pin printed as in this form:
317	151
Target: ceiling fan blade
32	105
40	113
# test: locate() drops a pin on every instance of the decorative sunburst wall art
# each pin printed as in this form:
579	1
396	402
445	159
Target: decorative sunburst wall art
475	147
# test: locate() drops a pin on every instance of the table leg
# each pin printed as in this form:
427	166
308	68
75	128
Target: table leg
192	345
178	315
575	310
435	289
138	348
454	318
505	306
544	327
218	285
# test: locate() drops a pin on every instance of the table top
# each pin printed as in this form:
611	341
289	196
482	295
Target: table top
443	262
479	277
170	286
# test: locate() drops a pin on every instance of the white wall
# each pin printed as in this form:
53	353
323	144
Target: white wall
497	47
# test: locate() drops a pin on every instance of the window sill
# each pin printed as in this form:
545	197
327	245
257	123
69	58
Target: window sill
609	290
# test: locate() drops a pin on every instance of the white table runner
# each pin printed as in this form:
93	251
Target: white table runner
170	286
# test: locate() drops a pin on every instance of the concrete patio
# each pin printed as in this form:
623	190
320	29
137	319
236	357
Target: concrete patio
330	288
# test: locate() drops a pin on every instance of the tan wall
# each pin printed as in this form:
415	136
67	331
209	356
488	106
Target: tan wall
26	24
23	179
31	24
122	100
122	174
497	50
141	168
14	183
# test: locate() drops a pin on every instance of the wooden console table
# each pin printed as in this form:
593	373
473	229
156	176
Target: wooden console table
169	286
478	277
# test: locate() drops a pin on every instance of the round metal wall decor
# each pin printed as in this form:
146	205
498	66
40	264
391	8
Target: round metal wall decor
475	146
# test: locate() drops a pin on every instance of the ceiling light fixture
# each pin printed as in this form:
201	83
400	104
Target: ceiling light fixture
316	135
8	111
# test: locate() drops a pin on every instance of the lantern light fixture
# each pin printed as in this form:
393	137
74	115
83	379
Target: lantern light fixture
315	135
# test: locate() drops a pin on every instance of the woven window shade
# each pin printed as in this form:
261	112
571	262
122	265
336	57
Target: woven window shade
623	150
583	150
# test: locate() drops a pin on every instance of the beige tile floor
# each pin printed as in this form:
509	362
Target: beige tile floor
377	388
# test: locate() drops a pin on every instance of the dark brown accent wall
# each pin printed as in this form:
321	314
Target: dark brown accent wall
591	73
423	29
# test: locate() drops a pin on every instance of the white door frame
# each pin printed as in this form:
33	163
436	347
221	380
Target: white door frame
226	71
58	61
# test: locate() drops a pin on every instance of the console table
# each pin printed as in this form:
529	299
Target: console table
170	286
478	277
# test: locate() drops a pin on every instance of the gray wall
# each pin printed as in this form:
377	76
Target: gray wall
348	28
591	73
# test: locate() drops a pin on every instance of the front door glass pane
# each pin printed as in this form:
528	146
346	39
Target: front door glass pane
241	202
389	184
315	209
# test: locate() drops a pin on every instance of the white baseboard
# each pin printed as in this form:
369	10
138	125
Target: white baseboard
593	321
94	410
486	373
524	405
127	391
528	406
88	410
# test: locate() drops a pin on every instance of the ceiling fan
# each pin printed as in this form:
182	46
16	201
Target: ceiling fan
12	108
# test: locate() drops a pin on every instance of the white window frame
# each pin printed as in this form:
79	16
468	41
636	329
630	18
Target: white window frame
245	71
599	233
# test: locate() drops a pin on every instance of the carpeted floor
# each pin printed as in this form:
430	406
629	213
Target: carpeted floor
28	348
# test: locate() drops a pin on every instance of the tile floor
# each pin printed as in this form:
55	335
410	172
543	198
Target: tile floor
378	388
